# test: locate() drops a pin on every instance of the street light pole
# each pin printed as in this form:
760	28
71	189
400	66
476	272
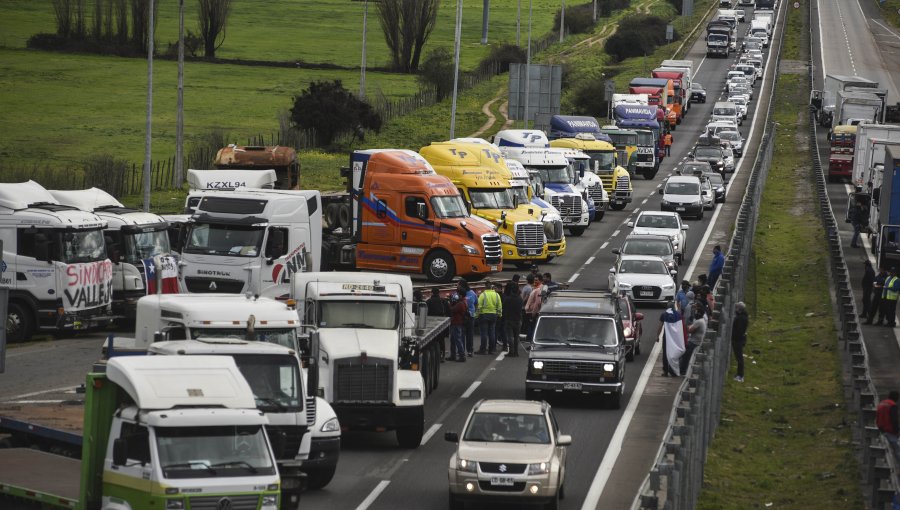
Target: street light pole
147	162
528	67
518	22
179	121
485	15
562	22
459	5
362	67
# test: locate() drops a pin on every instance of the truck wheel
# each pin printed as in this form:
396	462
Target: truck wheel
411	436
637	347
19	323
439	267
599	215
426	370
576	231
318	478
617	206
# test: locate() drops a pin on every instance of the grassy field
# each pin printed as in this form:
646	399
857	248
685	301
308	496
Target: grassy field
890	9
783	440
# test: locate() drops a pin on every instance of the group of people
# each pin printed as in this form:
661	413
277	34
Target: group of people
500	312
880	293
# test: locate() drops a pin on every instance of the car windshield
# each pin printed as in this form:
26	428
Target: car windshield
83	246
715	179
682	188
508	428
643	267
219	239
731	136
145	245
274	380
491	198
207	452
554	174
602	161
708	152
281	336
697	87
449	207
576	330
657	247
358	314
689	169
657	221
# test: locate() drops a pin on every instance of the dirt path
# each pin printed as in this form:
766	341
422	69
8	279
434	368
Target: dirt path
486	109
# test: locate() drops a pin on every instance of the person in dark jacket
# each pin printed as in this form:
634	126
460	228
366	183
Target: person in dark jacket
877	289
512	317
437	306
715	267
739	337
868	282
459	318
886	420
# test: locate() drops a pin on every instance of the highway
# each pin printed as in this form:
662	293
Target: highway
374	473
866	46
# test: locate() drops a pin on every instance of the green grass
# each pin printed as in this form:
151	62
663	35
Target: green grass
783	438
890	10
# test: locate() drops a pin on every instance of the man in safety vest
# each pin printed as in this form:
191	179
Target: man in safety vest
490	308
889	297
667	140
886	420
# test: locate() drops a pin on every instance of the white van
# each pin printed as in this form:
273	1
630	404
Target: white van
725	110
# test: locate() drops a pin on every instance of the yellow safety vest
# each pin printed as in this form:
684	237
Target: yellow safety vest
889	293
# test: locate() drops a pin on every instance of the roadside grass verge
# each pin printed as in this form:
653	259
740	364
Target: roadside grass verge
784	439
891	12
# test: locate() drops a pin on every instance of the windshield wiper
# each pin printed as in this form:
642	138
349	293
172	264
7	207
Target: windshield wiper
579	341
244	463
272	402
356	325
191	465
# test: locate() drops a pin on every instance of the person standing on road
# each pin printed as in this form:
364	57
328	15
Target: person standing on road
739	337
877	290
671	327
526	291
681	299
490	308
437	306
667	140
715	267
889	298
696	331
533	305
856	215
886	420
549	283
512	317
459	316
868	281
468	295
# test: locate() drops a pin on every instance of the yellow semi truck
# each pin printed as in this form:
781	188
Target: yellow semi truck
616	180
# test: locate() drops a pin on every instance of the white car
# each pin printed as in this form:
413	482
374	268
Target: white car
682	194
735	141
729	158
742	103
714	128
643	278
665	223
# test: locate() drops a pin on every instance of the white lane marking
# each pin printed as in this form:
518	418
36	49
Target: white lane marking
614	234
846	36
645	200
42	392
603	246
471	389
890	32
382	485
500	357
431	430
574	277
636	210
589	260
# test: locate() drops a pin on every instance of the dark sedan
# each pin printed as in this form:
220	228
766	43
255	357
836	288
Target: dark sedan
698	93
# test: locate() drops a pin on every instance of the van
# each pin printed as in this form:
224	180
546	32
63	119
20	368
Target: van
725	110
683	194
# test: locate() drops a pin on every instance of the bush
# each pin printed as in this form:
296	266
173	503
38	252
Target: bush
608	6
192	44
579	19
502	55
437	72
677	4
587	97
636	36
330	109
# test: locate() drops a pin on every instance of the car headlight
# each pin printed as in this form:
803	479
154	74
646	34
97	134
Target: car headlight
624	286
269	500
541	468
471	250
410	394
671	264
668	286
331	425
609	367
537	365
505	239
469	466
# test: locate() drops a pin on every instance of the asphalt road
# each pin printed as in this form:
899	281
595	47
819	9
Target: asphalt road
854	40
374	473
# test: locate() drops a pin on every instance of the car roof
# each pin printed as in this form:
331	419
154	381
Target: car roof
638	257
580	302
510	406
658	213
648	237
683	178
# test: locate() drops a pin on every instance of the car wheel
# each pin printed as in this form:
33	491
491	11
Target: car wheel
455	503
562	491
576	231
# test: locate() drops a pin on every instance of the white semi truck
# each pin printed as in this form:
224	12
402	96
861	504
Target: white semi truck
55	264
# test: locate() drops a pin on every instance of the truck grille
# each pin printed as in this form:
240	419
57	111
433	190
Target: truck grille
293	436
553	230
508	469
493	253
623	183
529	235
596	194
640	292
358	381
310	411
573	370
645	158
196	284
568	205
213	502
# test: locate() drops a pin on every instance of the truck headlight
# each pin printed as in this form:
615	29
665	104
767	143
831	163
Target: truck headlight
471	250
537	365
175	504
331	425
410	394
270	500
469	466
541	468
505	239
609	367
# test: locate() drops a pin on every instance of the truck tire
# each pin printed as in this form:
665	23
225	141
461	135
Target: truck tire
19	322
630	355
439	266
344	216
427	369
411	436
319	478
331	215
576	231
617	206
436	372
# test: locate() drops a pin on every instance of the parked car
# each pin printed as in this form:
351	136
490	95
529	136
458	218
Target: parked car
509	451
665	223
698	93
712	154
643	278
742	103
741	15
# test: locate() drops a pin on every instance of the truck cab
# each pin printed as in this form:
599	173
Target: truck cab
661	92
480	173
642	120
626	144
132	236
604	164
55	262
522	186
586	181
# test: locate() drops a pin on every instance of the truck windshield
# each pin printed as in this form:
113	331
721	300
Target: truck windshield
717	38
521	193
554	174
358	314
645	138
449	207
232	240
83	246
486	198
274	379
576	330
602	160
208	452
281	336
145	245
577	166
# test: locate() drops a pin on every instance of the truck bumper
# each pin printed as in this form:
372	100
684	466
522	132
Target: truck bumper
378	417
556	249
471	265
323	453
622	197
561	386
512	252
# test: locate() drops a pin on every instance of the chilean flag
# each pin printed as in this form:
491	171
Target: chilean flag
674	336
162	275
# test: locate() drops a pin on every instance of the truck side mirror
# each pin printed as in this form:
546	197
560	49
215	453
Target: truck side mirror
120	450
422	211
660	191
616	251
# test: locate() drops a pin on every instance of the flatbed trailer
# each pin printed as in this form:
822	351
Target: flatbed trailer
32	474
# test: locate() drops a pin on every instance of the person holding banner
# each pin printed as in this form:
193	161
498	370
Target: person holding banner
671	326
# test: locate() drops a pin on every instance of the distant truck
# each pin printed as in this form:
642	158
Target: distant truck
824	100
718	39
840	159
682	83
604	164
283	160
156	432
642	119
886	210
859	106
871	140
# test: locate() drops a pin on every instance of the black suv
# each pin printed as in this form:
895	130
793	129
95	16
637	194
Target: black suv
578	347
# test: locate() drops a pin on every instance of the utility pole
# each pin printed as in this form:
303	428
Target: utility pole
595	10
562	22
147	162
518	23
459	5
179	121
485	14
362	73
528	66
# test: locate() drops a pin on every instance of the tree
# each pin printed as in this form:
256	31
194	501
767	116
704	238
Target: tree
437	72
407	24
329	109
140	18
62	11
213	18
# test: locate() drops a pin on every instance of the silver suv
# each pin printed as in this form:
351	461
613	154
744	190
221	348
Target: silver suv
510	451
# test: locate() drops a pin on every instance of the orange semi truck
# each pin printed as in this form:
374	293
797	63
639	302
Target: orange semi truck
397	214
661	93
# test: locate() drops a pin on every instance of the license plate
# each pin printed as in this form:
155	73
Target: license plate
567	220
501	480
679	209
494	268
572	386
646	293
